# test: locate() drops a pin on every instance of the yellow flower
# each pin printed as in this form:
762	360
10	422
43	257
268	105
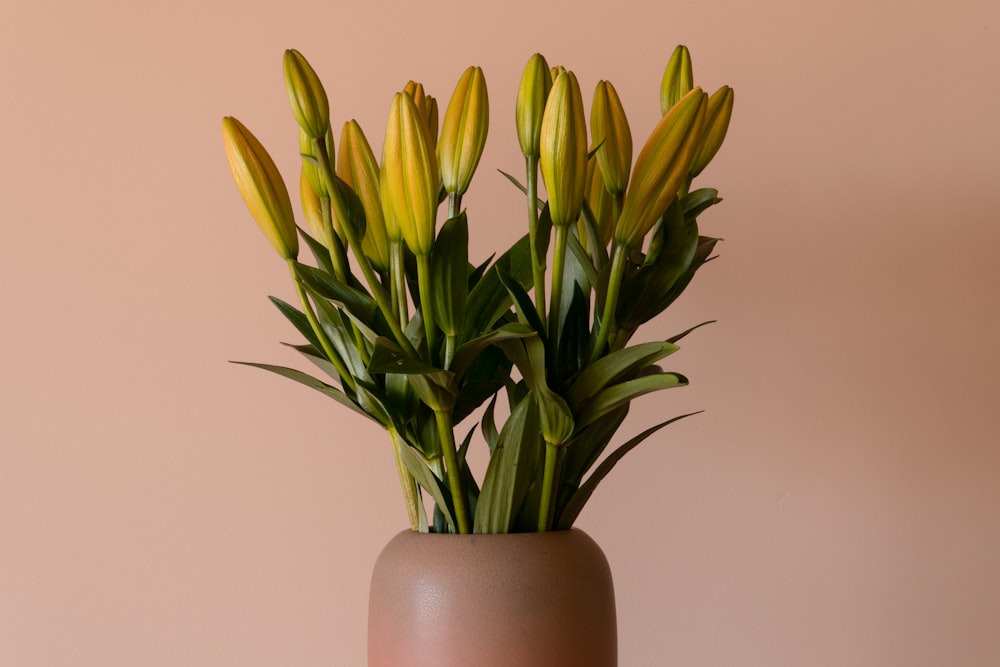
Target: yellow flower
660	168
463	133
356	166
309	168
610	131
427	109
306	95
536	82
410	175
678	78
262	187
563	150
720	110
312	208
601	205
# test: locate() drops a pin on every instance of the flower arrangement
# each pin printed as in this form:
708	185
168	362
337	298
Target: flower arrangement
416	338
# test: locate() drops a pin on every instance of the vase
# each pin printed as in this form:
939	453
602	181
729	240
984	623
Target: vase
517	600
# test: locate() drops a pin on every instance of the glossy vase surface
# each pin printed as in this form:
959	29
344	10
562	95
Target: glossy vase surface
519	600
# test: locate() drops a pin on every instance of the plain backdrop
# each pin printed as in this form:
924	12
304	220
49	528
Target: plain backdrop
837	504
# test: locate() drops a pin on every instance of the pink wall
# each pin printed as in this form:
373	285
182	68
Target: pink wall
836	505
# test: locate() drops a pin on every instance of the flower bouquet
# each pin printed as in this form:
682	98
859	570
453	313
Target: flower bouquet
412	335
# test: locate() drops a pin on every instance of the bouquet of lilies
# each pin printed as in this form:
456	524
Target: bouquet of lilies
413	336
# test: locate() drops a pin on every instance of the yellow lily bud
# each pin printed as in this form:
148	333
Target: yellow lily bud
678	78
609	129
309	167
563	150
556	71
463	133
312	208
427	109
536	82
410	175
431	118
661	166
306	94
720	110
262	187
357	167
601	205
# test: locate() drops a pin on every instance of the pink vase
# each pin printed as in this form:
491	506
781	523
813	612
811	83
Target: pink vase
519	600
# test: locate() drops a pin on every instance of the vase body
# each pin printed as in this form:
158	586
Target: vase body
518	600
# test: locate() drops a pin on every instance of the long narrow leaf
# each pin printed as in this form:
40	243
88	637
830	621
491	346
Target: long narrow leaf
572	509
312	383
428	481
620	394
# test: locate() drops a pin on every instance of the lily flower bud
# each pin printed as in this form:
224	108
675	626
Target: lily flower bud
601	205
563	150
357	167
555	71
410	175
720	110
609	131
306	95
661	166
536	82
312	208
463	133
262	187
309	168
431	118
678	78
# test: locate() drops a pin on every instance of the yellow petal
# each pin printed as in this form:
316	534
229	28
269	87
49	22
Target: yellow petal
563	150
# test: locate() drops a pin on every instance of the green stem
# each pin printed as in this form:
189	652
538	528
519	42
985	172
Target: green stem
558	271
454	204
381	299
610	301
317	328
545	507
411	494
426	304
397	269
446	434
537	266
337	257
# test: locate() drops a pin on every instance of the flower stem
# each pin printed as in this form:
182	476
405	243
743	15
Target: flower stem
546	506
317	328
610	301
446	433
397	269
411	494
537	266
326	172
426	304
558	271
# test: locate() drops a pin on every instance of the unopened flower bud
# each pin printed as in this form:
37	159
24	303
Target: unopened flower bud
719	111
609	131
661	166
463	133
357	167
308	152
262	187
410	175
536	82
306	95
312	208
678	78
563	150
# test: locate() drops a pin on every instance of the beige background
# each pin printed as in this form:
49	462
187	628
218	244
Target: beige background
838	503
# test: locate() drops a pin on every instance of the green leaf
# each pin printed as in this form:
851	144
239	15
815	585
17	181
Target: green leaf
298	320
434	386
316	357
488	425
510	471
524	306
428	481
620	394
696	201
327	286
450	274
614	367
469	351
674	339
572	509
312	383
319	251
